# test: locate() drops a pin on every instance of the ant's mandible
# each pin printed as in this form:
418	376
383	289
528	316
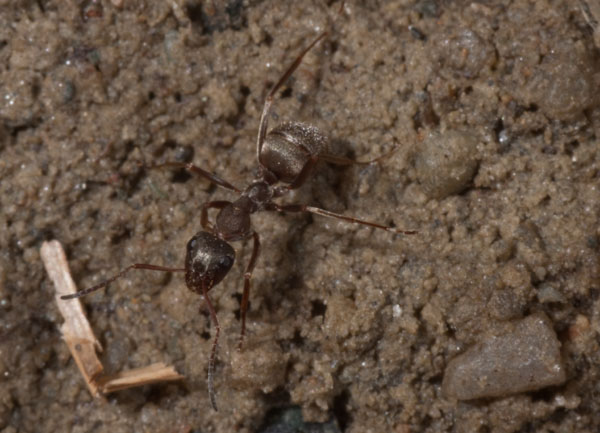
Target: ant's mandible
287	154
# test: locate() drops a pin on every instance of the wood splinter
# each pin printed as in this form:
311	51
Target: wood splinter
80	338
158	372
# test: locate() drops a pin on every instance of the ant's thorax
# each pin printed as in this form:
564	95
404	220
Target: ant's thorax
233	221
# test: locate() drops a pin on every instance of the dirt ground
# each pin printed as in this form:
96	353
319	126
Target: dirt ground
494	106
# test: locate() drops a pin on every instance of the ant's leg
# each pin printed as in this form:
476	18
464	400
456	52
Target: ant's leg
333	159
199	171
326	213
213	351
340	160
246	295
204	213
105	283
262	129
302	176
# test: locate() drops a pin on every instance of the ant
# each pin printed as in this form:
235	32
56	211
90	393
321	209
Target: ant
286	154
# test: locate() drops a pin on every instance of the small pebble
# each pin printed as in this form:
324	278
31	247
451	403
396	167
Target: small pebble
260	365
524	359
563	84
446	163
547	294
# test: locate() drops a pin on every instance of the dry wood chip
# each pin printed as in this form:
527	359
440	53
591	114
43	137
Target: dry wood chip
80	338
158	372
76	330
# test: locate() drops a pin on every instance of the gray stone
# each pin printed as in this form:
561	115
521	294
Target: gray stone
525	358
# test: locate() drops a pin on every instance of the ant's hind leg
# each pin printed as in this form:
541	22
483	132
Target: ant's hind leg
340	160
262	128
199	171
326	213
333	159
302	176
246	295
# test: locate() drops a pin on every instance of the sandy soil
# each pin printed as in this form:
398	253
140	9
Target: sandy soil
494	105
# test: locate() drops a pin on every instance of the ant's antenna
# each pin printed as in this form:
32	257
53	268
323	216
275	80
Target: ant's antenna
105	283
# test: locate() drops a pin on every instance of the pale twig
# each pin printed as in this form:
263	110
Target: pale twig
80	338
158	372
76	330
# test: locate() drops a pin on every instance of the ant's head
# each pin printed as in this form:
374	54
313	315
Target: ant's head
208	259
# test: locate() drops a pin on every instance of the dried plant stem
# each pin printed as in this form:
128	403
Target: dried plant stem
80	338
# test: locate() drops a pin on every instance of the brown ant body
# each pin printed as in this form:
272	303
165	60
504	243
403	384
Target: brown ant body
287	154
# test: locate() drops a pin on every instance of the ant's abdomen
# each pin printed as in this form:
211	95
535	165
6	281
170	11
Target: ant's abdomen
288	147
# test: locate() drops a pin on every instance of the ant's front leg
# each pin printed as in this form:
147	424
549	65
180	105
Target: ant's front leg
246	295
206	225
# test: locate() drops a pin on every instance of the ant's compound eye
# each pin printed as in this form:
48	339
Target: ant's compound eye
193	243
226	262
